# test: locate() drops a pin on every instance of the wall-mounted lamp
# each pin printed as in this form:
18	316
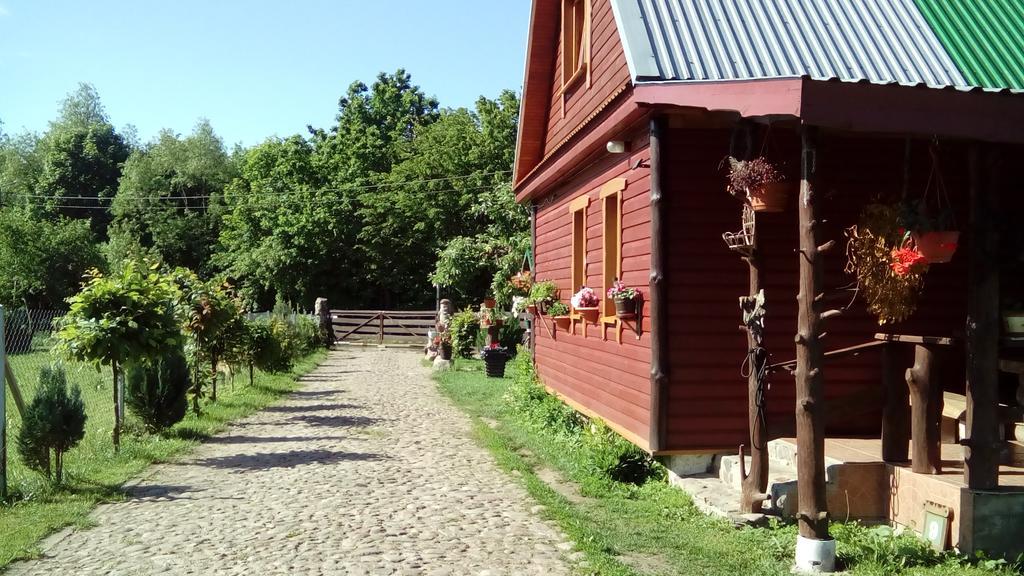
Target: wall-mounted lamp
616	146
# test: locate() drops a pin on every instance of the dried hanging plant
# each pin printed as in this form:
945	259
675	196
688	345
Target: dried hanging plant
889	278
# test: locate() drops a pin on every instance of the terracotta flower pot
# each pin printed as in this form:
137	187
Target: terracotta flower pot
532	309
489	303
770	197
937	247
625	308
563	321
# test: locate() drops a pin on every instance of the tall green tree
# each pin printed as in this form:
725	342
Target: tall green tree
82	155
282	235
42	261
170	200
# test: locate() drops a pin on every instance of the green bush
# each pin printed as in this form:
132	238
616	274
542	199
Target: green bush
268	342
464	328
537	408
510	335
613	456
54	420
609	456
307	334
156	393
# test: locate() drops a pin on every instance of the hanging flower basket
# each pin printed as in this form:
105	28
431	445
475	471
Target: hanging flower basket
937	247
489	302
758	182
769	197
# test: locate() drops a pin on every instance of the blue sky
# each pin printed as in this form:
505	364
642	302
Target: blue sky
255	68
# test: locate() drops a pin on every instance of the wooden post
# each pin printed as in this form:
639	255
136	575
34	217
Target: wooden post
755	482
380	334
12	384
926	411
810	398
658	290
896	412
533	251
117	406
981	463
3	413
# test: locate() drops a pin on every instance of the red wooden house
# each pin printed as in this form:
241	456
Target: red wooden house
630	107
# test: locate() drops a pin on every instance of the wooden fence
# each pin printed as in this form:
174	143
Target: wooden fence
382	326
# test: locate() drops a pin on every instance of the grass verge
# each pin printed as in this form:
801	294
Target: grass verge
625	529
94	474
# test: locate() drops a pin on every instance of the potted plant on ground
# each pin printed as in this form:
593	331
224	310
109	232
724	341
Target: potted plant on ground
541	295
560	312
933	233
759	183
494	361
625	299
586	302
443	343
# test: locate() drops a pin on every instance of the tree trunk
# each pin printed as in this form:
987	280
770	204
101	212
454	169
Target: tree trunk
117	410
251	368
981	449
810	397
213	373
658	288
59	457
755	483
926	411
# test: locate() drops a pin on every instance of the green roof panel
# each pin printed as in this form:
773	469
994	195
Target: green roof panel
985	38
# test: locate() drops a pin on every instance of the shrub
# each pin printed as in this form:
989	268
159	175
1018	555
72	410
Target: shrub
464	328
269	354
614	457
510	335
157	393
54	420
307	334
120	319
539	409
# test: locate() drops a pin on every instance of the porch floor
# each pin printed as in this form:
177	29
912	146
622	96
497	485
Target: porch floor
866	450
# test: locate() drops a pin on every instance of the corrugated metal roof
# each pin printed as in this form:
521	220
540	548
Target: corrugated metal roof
984	37
880	41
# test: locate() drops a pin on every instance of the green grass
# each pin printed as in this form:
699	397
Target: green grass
655	529
93	473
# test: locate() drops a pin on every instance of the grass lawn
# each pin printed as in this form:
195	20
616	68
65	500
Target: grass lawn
655	529
93	473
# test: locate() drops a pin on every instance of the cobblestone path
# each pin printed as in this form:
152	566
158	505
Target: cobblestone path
366	470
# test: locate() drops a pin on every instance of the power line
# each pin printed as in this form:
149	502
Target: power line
156	208
313	191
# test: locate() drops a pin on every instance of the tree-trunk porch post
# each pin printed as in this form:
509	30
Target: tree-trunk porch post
896	412
926	410
815	548
981	463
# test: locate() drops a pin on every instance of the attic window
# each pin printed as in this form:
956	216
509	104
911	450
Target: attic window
575	39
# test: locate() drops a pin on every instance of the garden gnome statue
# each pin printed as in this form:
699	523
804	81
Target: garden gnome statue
323	320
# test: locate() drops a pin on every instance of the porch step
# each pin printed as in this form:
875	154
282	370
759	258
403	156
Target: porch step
1013	455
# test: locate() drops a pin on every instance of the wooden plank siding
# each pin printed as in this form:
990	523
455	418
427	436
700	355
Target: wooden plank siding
608	74
707	395
596	375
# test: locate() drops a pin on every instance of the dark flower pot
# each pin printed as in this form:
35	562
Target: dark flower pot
625	308
494	361
445	351
489	303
